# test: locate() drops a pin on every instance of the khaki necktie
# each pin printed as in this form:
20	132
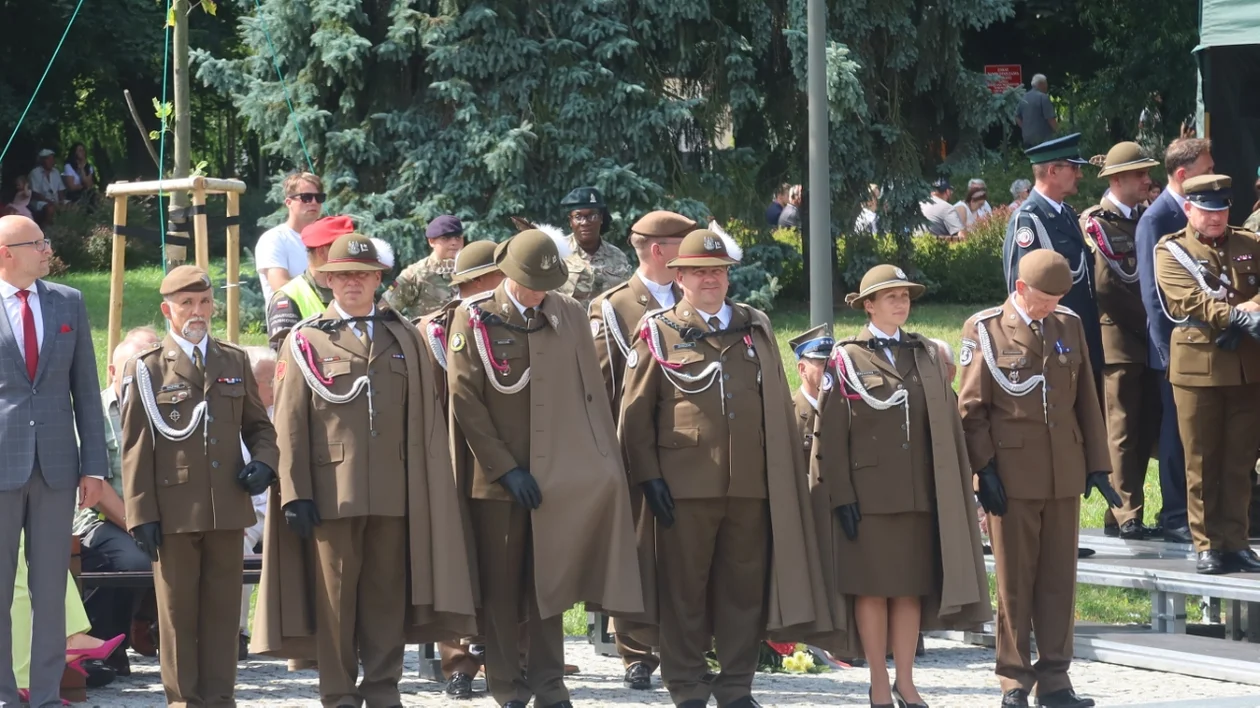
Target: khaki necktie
715	324
1035	325
198	361
361	331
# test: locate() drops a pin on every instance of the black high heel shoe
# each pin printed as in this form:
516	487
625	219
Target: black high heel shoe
869	693
902	702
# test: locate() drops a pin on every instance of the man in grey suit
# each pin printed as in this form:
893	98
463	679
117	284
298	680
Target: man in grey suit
48	392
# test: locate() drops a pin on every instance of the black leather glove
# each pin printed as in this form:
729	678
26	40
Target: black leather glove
659	500
149	538
302	516
523	487
849	516
1248	322
1228	339
991	493
1102	482
256	477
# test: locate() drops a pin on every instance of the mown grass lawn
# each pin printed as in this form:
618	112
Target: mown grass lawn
1094	604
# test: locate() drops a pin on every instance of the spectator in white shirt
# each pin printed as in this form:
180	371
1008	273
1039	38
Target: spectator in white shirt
975	205
868	220
279	255
79	177
47	189
262	360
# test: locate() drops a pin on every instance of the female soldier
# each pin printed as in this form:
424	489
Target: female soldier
892	489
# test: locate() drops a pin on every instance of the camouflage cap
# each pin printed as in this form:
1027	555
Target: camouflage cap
532	259
1046	270
1125	157
474	260
702	248
184	278
663	224
352	252
882	277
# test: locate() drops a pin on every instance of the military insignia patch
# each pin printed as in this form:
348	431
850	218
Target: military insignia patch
595	327
354	248
457	342
968	350
1243	257
710	243
282	304
555	321
632	359
548	262
900	273
280	367
1251	280
828	381
230	380
174	416
400	356
1024	237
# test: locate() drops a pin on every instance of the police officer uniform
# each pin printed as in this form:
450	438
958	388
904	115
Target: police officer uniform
186	408
615	315
1214	369
1130	388
813	345
1036	440
303	296
1041	223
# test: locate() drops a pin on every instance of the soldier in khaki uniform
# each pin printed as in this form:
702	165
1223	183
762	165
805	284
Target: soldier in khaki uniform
614	315
363	467
706	424
594	264
812	348
426	285
1036	440
1207	274
187	405
1130	388
475	273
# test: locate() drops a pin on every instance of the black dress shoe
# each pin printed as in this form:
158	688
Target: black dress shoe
99	674
638	677
1177	534
119	662
514	704
1066	698
459	685
242	647
1015	698
1210	563
1133	530
693	703
1243	561
1111	530
1085	552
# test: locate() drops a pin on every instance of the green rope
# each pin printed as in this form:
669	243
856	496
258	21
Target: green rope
166	61
275	62
41	81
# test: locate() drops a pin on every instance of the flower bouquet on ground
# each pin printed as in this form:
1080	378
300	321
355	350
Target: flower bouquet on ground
791	658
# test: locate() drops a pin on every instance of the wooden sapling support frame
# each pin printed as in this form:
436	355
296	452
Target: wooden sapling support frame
199	188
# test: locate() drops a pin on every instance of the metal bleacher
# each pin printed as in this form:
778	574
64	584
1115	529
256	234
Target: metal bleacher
1228	650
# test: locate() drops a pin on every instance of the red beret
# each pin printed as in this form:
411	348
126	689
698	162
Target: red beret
326	230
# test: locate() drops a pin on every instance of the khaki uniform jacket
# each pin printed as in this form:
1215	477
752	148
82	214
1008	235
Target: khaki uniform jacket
191	485
806	416
685	439
559	426
1112	238
1194	358
327	453
1042	452
435	328
630	301
862	455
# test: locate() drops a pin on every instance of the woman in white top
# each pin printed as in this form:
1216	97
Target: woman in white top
974	206
78	176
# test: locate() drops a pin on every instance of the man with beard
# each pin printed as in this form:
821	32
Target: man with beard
545	481
187	406
594	264
365	477
426	285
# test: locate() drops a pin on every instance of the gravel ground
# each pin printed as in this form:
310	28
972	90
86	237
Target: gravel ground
952	675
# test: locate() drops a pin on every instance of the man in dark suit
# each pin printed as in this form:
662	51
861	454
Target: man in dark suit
1045	221
1185	158
48	393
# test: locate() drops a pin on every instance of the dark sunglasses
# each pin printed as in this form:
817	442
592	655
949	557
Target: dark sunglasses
308	197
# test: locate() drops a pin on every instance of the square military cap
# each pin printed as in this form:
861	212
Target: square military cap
663	224
185	278
813	343
1208	192
1064	149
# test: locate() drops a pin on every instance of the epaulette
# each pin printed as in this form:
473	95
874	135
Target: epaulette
479	297
154	347
1060	309
609	292
652	314
1171	236
987	314
229	345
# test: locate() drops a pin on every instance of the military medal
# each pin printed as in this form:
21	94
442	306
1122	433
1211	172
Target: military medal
752	353
1015	376
506	370
1062	350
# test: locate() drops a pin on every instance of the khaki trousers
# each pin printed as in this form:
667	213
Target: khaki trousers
197	578
360	609
456	659
1034	546
1220	431
632	650
1133	409
505	563
712	578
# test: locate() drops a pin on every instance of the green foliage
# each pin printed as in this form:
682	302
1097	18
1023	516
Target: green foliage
964	271
83	239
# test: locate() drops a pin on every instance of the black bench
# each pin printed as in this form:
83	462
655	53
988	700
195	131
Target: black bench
144	578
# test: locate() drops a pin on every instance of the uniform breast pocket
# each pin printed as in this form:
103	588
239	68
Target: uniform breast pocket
330	456
1192	351
1014	366
173	476
872	380
234	395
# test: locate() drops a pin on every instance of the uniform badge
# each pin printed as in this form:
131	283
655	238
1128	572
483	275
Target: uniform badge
354	248
710	243
400	356
900	273
174	416
1243	257
457	342
548	262
282	304
685	345
280	367
968	350
504	342
1251	280
1015	376
632	359
1024	237
555	321
828	381
595	325
230	380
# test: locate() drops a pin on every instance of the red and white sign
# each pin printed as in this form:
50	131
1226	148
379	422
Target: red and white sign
1003	77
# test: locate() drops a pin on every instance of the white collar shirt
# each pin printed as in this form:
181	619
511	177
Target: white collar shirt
1126	211
663	294
813	402
1023	315
519	307
13	308
187	346
895	336
360	323
1058	206
723	315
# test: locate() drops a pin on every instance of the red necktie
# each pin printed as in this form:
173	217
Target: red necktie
30	341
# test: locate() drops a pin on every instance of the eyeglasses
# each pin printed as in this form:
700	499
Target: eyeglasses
40	245
308	197
586	218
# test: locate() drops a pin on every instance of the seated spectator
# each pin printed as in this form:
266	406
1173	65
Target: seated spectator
868	220
975	205
942	218
106	545
1019	192
262	361
20	204
81	648
79	177
791	216
775	210
47	189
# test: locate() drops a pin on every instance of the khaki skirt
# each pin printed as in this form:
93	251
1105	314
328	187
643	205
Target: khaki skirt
894	555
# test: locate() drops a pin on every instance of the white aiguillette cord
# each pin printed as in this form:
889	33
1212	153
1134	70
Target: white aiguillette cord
1015	389
144	380
303	355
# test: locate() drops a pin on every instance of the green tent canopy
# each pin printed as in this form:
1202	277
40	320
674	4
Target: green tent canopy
1228	23
1229	94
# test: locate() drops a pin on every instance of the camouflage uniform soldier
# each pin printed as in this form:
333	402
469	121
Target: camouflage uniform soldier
594	264
425	286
